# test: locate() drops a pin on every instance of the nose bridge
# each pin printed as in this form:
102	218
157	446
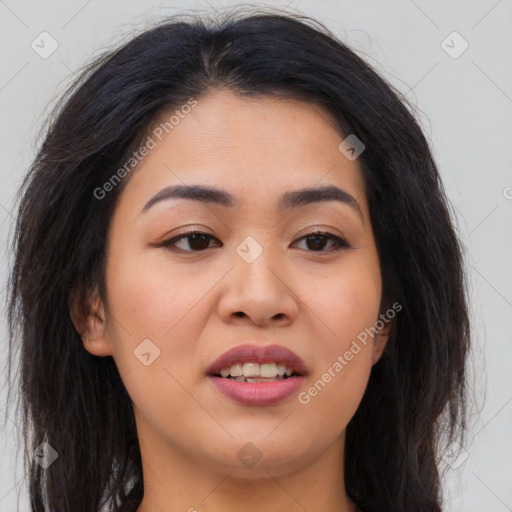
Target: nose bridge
257	266
256	286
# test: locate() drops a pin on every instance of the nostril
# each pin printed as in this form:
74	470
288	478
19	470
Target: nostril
240	314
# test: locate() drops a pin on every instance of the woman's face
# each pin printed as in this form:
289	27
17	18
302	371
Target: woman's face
254	278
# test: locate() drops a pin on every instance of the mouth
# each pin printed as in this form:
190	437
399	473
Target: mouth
258	375
256	372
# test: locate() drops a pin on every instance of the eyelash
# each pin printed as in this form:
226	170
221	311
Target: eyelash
340	243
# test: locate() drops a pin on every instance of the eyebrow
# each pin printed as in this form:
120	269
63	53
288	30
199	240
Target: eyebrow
288	200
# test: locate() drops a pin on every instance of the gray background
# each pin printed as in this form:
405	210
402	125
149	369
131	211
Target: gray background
464	105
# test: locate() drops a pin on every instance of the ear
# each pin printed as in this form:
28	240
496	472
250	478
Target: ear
88	316
381	338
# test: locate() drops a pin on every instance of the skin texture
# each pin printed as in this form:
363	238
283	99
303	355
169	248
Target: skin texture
314	302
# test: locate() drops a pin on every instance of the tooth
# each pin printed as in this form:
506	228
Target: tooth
268	370
251	369
260	379
264	371
236	370
240	379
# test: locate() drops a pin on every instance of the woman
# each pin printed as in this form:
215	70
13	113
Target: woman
237	282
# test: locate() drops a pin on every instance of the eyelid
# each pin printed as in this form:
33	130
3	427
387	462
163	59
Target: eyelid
189	229
321	230
339	241
327	230
169	242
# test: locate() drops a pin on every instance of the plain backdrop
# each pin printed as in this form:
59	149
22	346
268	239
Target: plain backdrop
464	98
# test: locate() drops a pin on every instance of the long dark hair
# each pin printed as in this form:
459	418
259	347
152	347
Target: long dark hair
416	394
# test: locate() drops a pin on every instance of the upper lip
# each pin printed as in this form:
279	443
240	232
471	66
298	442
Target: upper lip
258	354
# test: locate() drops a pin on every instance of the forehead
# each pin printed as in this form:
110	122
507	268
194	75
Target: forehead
257	147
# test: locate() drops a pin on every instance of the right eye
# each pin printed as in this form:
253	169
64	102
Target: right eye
195	241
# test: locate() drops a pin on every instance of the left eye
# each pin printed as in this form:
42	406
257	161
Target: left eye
196	241
318	241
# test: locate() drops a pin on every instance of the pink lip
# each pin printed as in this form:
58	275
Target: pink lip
258	393
258	354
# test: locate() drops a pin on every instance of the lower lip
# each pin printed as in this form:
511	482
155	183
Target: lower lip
258	393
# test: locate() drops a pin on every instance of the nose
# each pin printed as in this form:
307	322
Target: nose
258	293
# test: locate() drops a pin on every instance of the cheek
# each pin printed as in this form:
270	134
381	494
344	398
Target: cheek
153	294
155	301
346	301
348	304
343	361
152	299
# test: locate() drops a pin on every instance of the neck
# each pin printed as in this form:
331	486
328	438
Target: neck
173	481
